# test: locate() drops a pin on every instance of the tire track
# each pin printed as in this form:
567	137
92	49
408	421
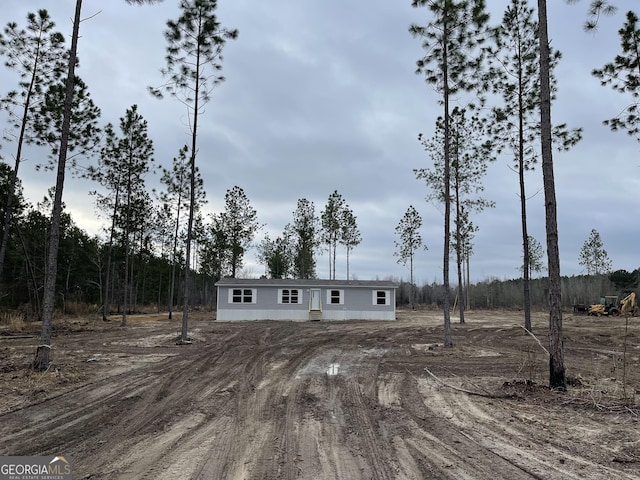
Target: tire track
451	453
513	441
370	440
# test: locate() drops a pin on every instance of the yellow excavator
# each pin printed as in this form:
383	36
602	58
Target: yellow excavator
609	306
629	306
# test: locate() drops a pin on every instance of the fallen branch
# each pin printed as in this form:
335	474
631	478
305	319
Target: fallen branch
611	407
631	411
464	390
536	339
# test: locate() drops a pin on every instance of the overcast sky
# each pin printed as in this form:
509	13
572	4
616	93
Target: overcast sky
321	95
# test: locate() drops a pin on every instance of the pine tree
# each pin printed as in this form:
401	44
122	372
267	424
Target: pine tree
135	155
37	54
514	76
194	58
350	235
110	176
304	234
331	222
469	157
176	198
535	254
277	255
240	224
176	182
43	353
557	373
216	254
461	242
408	229
451	64
623	75
593	257
67	123
597	8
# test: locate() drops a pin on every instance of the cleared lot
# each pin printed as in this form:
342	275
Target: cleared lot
354	400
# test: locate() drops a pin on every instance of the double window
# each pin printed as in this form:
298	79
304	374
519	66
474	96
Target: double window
381	297
335	297
290	296
242	295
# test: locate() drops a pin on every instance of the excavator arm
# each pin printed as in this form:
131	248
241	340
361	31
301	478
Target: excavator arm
628	305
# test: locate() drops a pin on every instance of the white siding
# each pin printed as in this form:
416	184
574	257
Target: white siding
357	302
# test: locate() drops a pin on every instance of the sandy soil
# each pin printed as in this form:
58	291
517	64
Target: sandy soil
343	400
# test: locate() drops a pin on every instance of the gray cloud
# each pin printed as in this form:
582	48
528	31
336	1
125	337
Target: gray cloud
322	96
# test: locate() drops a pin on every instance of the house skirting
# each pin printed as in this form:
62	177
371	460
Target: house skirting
237	315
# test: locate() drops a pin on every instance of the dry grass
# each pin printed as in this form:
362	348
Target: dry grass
79	308
13	319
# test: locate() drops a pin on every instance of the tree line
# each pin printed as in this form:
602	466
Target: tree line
593	258
494	293
138	262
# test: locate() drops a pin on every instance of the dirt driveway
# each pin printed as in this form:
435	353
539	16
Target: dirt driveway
352	400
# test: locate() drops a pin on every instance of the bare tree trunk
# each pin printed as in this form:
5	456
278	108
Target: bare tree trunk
187	267
173	256
125	298
335	246
192	206
112	289
159	292
347	263
459	236
411	301
448	339
142	268
468	279
526	269
43	352
32	275
557	377
105	304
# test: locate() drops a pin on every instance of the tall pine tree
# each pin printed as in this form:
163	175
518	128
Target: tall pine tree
37	54
43	352
514	76
452	41
194	58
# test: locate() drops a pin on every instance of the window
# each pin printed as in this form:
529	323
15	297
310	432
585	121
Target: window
335	297
242	295
290	295
381	297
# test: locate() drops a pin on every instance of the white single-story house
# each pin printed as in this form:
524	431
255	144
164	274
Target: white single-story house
290	299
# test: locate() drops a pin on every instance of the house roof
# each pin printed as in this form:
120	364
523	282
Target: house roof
292	282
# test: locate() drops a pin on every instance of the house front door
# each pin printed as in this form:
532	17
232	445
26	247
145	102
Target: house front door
315	299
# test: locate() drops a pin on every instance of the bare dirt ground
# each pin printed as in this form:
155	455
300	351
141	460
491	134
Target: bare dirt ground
340	400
